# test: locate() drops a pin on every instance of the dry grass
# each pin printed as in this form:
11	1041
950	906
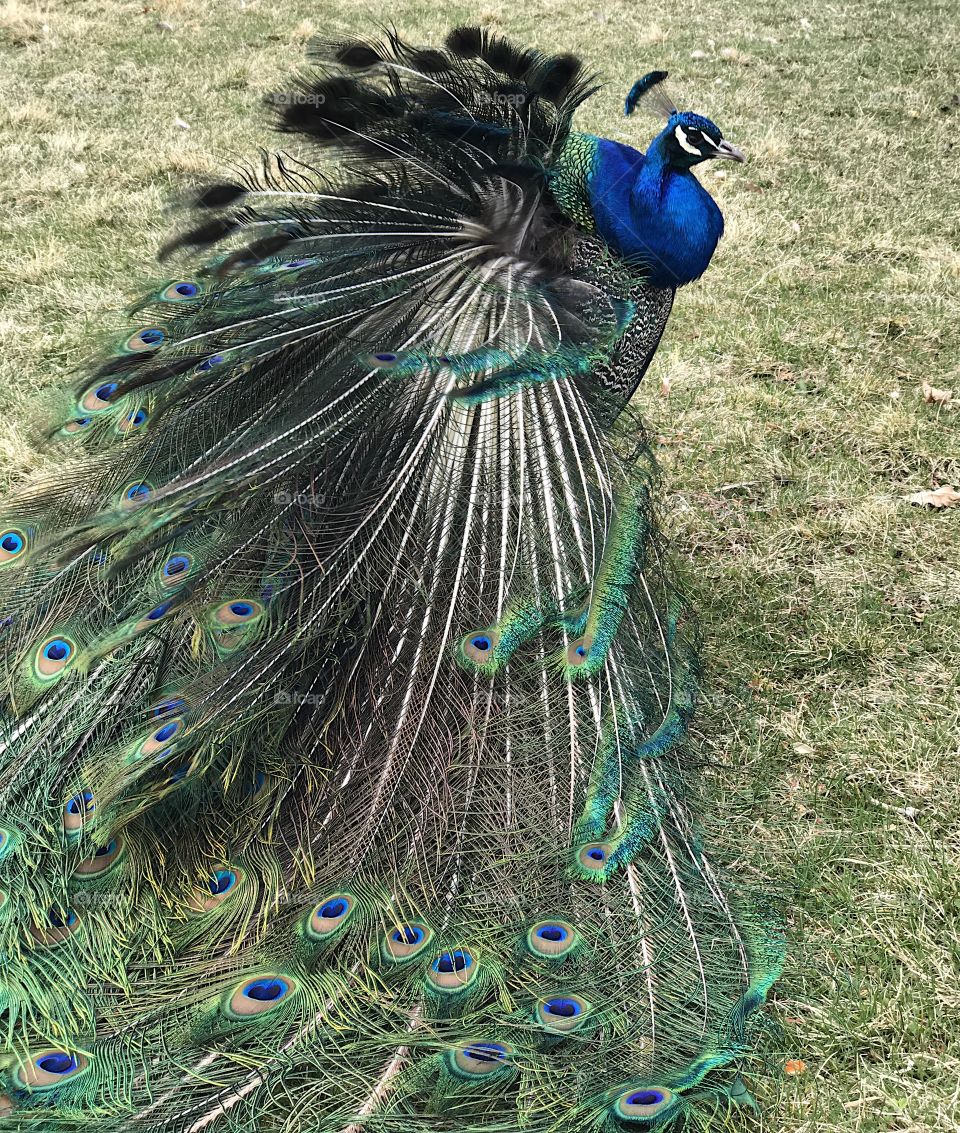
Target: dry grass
793	429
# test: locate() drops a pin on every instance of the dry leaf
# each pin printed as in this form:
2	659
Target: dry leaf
934	396
803	749
665	383
944	496
794	1066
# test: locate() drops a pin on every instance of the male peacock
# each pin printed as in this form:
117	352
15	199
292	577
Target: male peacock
344	694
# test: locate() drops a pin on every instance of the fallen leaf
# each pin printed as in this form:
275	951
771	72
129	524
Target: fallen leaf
180	124
794	1066
698	54
803	749
665	384
934	396
944	496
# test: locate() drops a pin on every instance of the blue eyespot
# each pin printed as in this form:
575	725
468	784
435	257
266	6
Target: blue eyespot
222	882
208	363
81	804
62	918
179	774
152	336
265	991
296	263
563	1008
334	909
175	565
158	612
555	933
486	1052
104	851
137	418
168	707
385	356
241	609
138	491
167	732
187	290
481	643
59	1062
409	934
105	392
646	1097
57	650
12	542
581	652
448	962
596	854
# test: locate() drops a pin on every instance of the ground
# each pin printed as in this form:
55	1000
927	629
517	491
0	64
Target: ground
786	402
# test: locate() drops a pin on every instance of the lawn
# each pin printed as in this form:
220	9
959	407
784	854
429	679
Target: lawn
786	403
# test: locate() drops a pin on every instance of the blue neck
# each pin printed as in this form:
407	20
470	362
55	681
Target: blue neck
651	213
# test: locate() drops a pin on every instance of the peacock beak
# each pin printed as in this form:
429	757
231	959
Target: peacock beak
726	149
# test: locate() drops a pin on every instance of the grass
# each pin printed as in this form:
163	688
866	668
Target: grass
792	430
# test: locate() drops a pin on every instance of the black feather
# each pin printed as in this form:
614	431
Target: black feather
465	41
357	54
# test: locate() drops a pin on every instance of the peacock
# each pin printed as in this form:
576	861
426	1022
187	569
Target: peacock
345	693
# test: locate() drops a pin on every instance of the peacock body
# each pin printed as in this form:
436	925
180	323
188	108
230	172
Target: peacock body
345	694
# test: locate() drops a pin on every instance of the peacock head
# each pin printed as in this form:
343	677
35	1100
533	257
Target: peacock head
688	138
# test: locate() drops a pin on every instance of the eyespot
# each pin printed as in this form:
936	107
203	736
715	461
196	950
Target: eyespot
98	397
175	569
220	885
239	611
479	1059
290	265
405	941
383	359
644	1103
77	809
330	915
257	996
147	339
77	425
552	939
133	420
49	1068
479	646
562	1013
135	494
61	924
222	882
53	656
167	707
101	860
175	292
453	970
12	545
209	363
578	651
161	737
594	857
155	615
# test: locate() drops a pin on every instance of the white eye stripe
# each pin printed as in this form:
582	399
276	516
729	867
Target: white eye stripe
681	137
